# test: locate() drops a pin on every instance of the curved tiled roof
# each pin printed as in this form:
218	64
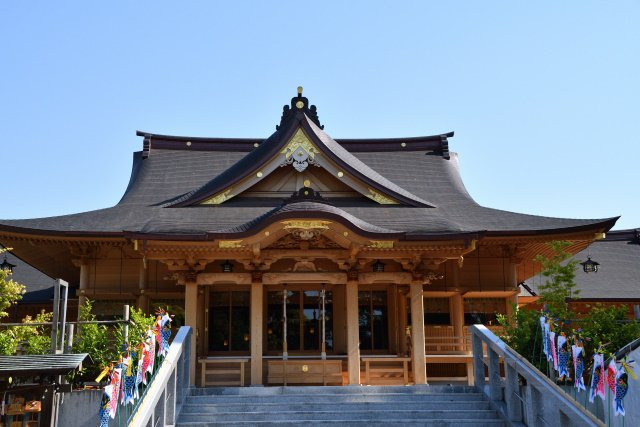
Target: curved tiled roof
422	178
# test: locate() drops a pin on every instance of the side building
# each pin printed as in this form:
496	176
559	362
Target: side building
301	258
616	282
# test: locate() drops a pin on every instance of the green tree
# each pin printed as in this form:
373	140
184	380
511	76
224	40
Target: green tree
93	339
559	286
10	291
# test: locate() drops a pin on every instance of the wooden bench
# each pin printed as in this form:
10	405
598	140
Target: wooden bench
368	370
466	358
304	371
222	367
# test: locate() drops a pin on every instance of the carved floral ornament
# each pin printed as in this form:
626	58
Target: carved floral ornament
299	152
305	229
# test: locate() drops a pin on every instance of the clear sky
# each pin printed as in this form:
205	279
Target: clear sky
544	98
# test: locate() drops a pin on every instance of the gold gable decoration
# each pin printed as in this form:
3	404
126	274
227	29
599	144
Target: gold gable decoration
379	198
299	152
218	198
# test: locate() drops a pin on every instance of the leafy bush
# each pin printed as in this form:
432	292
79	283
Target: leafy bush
104	343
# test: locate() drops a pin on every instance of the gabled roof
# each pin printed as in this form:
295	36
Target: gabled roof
271	150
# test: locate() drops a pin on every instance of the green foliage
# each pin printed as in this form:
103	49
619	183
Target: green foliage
34	339
559	285
10	291
95	340
140	323
521	330
27	339
103	343
8	342
608	326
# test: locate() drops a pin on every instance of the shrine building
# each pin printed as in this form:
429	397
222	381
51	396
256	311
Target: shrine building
303	259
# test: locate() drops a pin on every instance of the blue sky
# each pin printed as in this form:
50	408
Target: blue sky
543	98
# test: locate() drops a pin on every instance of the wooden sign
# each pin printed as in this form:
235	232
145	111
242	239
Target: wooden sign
33	406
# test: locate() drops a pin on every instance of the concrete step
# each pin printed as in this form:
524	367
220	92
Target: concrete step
333	398
336	406
327	415
456	406
303	390
450	422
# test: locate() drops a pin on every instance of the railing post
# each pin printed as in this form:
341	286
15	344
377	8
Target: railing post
170	394
495	389
478	359
511	393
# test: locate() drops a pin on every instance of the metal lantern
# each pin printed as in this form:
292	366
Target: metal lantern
590	266
227	267
6	265
378	267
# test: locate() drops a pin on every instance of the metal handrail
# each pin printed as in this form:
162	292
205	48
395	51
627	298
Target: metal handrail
161	402
545	401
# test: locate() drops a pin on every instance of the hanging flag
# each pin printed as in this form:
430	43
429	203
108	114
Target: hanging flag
114	390
578	364
152	351
140	374
103	414
563	356
553	350
545	338
597	378
622	386
129	381
612	372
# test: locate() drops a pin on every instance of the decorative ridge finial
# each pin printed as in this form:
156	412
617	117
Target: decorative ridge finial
300	104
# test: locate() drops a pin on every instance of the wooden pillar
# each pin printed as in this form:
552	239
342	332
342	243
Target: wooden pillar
417	333
84	283
402	321
353	333
190	319
256	331
142	300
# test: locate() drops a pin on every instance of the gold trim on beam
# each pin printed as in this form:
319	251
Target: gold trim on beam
379	198
381	244
230	244
218	198
305	225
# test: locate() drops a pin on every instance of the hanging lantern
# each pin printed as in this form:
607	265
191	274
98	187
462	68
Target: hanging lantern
6	265
590	266
378	267
227	267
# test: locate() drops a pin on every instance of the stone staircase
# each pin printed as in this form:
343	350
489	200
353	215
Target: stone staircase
309	406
